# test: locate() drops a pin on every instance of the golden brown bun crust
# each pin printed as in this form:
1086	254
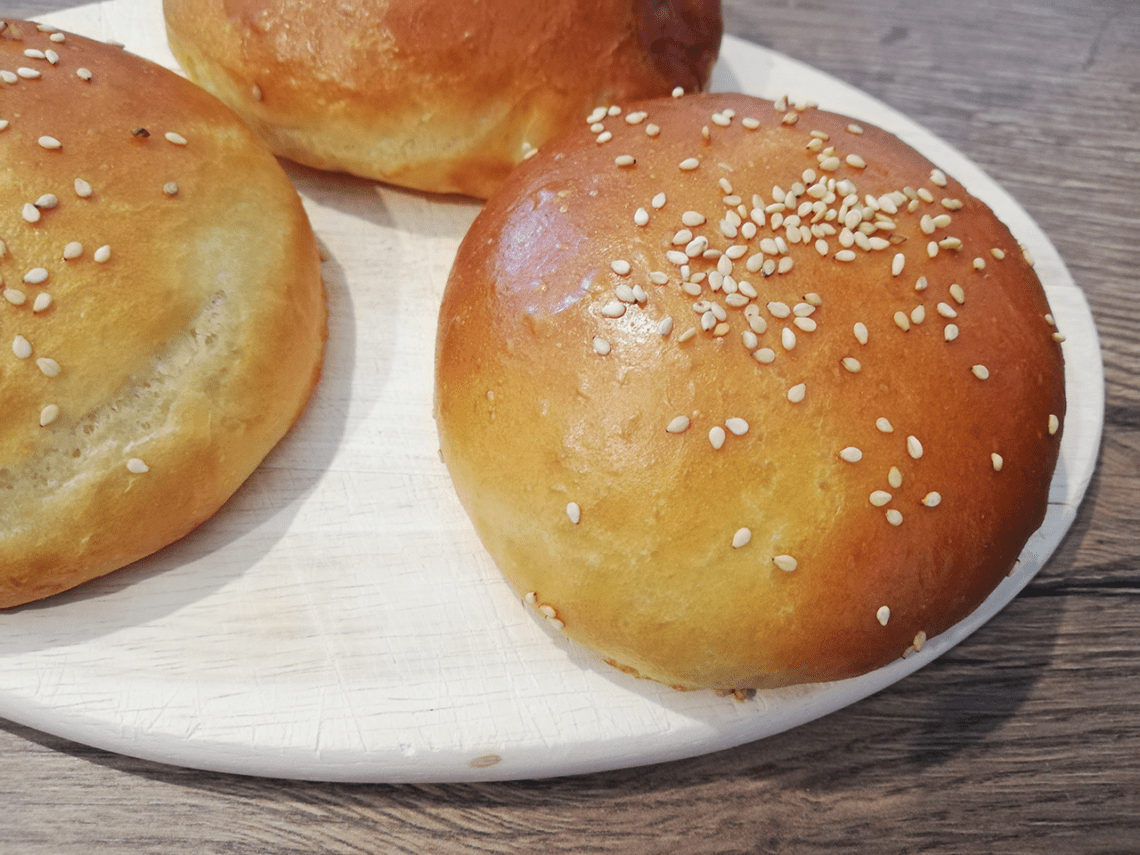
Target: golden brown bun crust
191	343
436	95
555	385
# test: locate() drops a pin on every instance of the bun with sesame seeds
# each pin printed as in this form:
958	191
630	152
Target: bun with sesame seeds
747	396
435	95
163	314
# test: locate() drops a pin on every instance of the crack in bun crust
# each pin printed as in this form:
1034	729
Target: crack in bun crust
163	314
747	394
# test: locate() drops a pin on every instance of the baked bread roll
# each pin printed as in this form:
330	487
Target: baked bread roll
435	95
163	315
746	395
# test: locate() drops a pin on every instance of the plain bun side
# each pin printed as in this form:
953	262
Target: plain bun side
434	95
163	316
747	395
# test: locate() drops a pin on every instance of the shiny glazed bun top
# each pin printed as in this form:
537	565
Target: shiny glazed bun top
743	394
436	95
162	314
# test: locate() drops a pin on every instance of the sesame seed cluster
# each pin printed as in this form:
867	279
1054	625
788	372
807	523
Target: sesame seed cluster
800	361
131	288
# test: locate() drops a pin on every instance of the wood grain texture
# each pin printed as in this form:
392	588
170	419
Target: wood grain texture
1024	739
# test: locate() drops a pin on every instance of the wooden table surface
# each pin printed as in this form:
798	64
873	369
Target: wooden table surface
1024	739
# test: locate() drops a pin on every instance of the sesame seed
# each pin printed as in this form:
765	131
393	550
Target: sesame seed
797	393
4	124
932	249
937	176
613	309
830	164
15	296
547	611
693	218
625	160
997	253
750	123
845	255
604	137
894	477
741	538
765	356
42	301
919	641
83	74
1054	424
36	276
678	91
21	347
952	204
82	189
32	53
902	321
102	254
946	310
1058	337
913	447
787	338
883	425
72	250
49	367
980	371
574	512
883	615
601	346
652	130
997	461
856	161
689	164
737	426
137	466
57	37
679	424
861	334
958	294
641	217
47	201
851	454
620	267
28	73
932	500
805	324
786	563
8	77
30	213
717	437
951	332
897	264
49	143
894	517
879	498
852	364
531	598
48	415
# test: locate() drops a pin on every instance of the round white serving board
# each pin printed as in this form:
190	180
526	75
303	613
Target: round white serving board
339	620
